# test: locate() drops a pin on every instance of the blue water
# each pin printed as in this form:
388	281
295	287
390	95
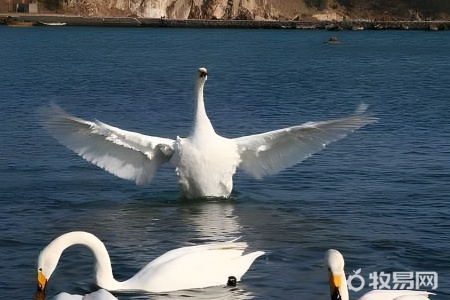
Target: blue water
380	196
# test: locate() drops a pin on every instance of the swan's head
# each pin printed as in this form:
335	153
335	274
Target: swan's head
202	75
47	263
334	261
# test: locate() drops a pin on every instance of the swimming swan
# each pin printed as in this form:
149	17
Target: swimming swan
338	283
183	268
205	161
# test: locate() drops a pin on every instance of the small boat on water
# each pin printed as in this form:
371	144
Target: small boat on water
15	23
54	24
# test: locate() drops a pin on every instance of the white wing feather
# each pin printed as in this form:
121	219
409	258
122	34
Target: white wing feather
128	155
185	251
270	152
199	266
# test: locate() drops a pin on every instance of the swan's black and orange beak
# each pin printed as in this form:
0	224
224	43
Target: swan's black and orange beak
335	284
42	282
39	296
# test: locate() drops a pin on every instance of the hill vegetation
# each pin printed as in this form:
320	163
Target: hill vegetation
401	9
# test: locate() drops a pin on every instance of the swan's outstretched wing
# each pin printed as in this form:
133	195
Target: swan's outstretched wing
128	155
270	152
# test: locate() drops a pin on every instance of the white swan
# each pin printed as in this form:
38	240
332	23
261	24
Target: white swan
205	161
183	268
338	283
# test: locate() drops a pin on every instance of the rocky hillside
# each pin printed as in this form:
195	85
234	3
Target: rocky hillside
190	9
259	9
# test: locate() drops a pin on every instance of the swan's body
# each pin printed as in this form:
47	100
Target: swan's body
205	161
183	268
334	261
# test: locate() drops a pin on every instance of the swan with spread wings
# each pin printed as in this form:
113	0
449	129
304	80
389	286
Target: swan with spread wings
205	162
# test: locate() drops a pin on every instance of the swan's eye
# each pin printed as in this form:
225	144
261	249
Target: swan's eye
40	269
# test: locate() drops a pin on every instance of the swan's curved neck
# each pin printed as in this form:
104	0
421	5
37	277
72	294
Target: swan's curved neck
202	124
344	288
103	270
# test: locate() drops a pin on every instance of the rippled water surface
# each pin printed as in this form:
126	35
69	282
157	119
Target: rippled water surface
380	196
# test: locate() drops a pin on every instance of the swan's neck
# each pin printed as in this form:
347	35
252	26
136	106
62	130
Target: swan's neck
202	124
344	288
102	271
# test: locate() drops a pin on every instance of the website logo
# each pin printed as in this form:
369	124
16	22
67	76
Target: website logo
418	280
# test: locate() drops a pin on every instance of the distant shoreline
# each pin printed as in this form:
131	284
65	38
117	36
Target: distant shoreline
245	24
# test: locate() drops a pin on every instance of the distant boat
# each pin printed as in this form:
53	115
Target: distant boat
357	28
15	23
54	24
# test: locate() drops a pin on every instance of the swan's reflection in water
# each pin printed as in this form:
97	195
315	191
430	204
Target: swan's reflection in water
219	293
232	293
207	294
212	220
101	294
